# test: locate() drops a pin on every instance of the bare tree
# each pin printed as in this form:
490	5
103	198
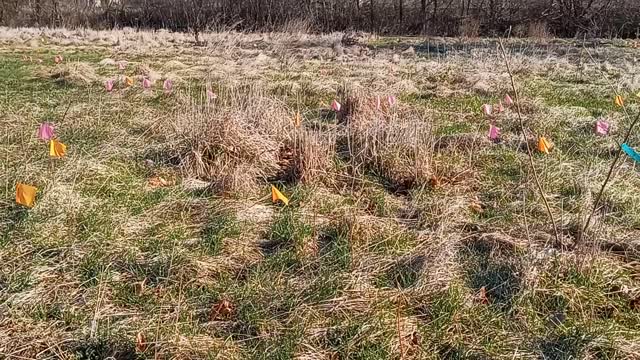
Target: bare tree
438	17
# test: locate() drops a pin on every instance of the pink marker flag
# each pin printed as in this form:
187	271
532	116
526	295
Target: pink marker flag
487	109
335	106
211	95
58	59
378	102
494	132
167	86
602	128
108	85
392	100
122	65
146	83
46	131
508	100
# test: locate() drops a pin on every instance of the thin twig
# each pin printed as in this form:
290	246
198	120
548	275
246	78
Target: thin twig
399	332
64	116
526	141
607	179
610	175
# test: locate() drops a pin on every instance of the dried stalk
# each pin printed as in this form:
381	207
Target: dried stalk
615	160
526	141
607	179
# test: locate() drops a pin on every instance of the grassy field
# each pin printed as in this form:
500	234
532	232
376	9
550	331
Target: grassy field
409	234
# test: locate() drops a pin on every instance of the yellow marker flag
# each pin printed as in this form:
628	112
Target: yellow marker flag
25	195
277	195
544	145
57	149
619	101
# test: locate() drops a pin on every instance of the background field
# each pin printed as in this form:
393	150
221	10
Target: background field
409	234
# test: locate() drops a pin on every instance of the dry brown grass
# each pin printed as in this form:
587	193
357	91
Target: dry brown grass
245	138
77	73
393	142
399	216
234	145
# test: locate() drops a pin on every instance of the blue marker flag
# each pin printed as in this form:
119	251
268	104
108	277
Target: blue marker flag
629	151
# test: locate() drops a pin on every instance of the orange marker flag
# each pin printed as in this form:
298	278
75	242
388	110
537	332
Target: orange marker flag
619	101
298	120
26	194
544	145
57	149
128	81
277	195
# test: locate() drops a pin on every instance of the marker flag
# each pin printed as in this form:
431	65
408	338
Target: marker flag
146	83
508	101
211	95
630	152
57	149
277	195
392	100
46	131
297	122
619	101
26	194
487	109
494	132
335	106
543	145
602	128
167	86
108	85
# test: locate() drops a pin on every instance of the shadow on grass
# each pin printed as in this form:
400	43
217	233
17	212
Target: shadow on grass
571	345
106	348
14	216
495	268
404	274
458	352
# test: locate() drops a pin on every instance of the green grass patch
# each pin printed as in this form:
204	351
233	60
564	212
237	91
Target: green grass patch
218	228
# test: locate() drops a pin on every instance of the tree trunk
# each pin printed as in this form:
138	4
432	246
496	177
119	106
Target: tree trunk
38	12
423	15
373	16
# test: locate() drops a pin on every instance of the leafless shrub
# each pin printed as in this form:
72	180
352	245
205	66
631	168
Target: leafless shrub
467	18
537	30
470	28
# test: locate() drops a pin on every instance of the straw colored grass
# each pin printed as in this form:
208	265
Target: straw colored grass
408	234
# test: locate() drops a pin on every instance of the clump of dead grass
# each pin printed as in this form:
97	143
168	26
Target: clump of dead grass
77	73
143	70
232	147
244	140
309	157
395	143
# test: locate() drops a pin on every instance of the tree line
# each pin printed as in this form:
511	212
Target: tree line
563	18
